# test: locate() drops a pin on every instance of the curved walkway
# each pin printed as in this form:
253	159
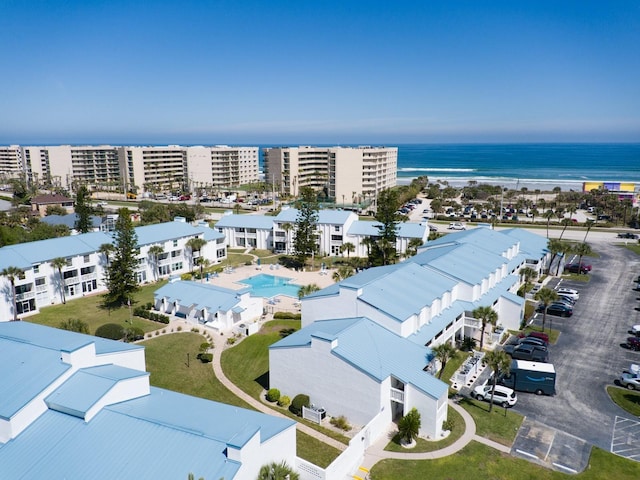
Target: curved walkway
375	452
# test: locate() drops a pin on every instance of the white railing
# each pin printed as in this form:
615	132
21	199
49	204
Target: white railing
41	288
25	296
472	322
312	414
397	395
88	276
309	471
71	280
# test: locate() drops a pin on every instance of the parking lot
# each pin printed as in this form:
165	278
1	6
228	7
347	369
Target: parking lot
589	356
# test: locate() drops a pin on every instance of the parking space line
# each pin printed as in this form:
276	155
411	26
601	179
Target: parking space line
531	455
553	439
564	467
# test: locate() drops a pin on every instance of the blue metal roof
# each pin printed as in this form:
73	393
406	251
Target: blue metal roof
406	290
200	295
334	217
404	229
532	244
259	222
428	331
70	220
87	386
374	350
164	232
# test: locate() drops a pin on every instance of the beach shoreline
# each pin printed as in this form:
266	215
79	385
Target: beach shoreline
544	185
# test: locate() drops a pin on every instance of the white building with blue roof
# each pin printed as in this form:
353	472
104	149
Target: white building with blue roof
334	229
213	306
40	284
76	406
368	338
357	368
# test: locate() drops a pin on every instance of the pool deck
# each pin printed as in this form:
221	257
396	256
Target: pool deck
232	279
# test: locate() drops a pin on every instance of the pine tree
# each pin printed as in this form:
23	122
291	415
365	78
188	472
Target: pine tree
121	272
304	239
384	250
83	210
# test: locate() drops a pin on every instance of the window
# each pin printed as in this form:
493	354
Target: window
176	253
175	243
69	262
36	268
87	258
337	228
176	266
41	281
336	237
142	276
220	253
240	230
86	270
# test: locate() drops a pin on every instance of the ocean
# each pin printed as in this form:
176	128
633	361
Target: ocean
534	166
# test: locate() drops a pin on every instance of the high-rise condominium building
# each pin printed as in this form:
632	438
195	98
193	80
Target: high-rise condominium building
348	174
140	169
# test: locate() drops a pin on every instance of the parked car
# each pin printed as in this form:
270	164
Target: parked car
568	292
532	341
456	226
571	300
531	353
563	301
102	204
577	268
557	309
635	330
630	381
540	335
633	343
182	198
501	395
630	235
433	228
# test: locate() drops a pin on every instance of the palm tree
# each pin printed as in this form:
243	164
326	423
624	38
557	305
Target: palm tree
195	245
565	249
106	249
548	215
409	426
307	290
486	315
287	227
58	263
589	223
368	243
581	250
12	273
347	247
155	251
444	352
499	362
554	246
277	471
528	274
345	271
546	296
565	223
412	248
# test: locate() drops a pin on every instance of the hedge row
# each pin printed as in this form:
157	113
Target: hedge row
287	316
156	317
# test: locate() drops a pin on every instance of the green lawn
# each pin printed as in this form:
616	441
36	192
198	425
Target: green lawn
625	399
315	451
633	247
483	462
90	310
500	426
577	277
423	445
553	334
169	367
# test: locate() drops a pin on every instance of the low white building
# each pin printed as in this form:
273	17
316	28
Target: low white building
202	303
334	229
40	284
365	346
72	393
357	368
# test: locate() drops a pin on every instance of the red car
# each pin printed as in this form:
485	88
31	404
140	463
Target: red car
577	268
182	198
633	343
541	335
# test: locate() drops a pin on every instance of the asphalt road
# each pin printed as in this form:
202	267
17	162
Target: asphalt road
588	355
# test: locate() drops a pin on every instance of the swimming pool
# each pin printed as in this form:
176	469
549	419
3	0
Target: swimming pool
268	286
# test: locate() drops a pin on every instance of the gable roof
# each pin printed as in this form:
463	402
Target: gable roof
200	295
372	349
259	222
333	217
164	232
369	228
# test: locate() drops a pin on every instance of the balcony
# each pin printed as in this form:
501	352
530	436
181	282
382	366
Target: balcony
88	276
397	395
472	322
25	296
71	280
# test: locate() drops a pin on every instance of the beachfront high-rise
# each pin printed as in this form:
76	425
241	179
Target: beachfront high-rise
348	174
132	168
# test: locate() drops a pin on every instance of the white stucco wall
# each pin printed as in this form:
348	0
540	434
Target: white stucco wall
431	418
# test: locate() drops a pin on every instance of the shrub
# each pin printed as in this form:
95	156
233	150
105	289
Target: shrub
205	357
148	305
179	328
75	325
284	401
468	344
409	426
133	334
110	330
273	395
287	316
299	401
204	347
448	424
231	340
186	276
341	423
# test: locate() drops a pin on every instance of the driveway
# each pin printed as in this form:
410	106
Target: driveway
588	355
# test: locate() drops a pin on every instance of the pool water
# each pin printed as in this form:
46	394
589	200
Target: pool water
268	286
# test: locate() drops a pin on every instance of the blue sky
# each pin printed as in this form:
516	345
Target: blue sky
267	72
